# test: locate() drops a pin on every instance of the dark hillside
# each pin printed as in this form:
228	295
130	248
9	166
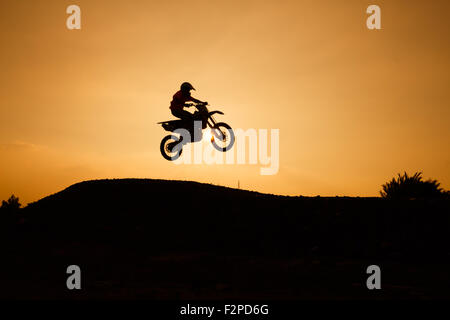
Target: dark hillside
178	239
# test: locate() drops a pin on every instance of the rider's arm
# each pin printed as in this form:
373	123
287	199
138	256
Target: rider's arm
195	100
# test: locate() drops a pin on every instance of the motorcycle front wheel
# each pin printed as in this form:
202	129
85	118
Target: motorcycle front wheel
171	148
223	137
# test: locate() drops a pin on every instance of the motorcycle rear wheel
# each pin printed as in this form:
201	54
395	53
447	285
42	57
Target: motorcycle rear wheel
168	152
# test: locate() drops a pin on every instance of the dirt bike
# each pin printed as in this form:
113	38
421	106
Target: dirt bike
222	136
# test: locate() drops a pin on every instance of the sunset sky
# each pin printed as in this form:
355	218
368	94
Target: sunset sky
354	106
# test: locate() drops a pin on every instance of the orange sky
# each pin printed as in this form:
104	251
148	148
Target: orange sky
354	106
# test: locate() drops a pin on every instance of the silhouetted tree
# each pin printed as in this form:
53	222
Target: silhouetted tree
12	204
9	213
412	187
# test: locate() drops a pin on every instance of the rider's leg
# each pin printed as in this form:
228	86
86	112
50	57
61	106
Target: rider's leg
182	114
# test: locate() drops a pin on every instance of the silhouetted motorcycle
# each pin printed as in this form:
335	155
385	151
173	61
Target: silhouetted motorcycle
222	136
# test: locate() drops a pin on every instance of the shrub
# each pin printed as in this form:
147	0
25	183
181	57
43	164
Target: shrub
412	187
12	204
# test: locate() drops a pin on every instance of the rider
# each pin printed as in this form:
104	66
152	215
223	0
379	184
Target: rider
179	101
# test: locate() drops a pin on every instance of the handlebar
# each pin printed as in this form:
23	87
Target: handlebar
195	104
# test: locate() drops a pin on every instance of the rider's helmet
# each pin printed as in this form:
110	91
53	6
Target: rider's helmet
186	86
